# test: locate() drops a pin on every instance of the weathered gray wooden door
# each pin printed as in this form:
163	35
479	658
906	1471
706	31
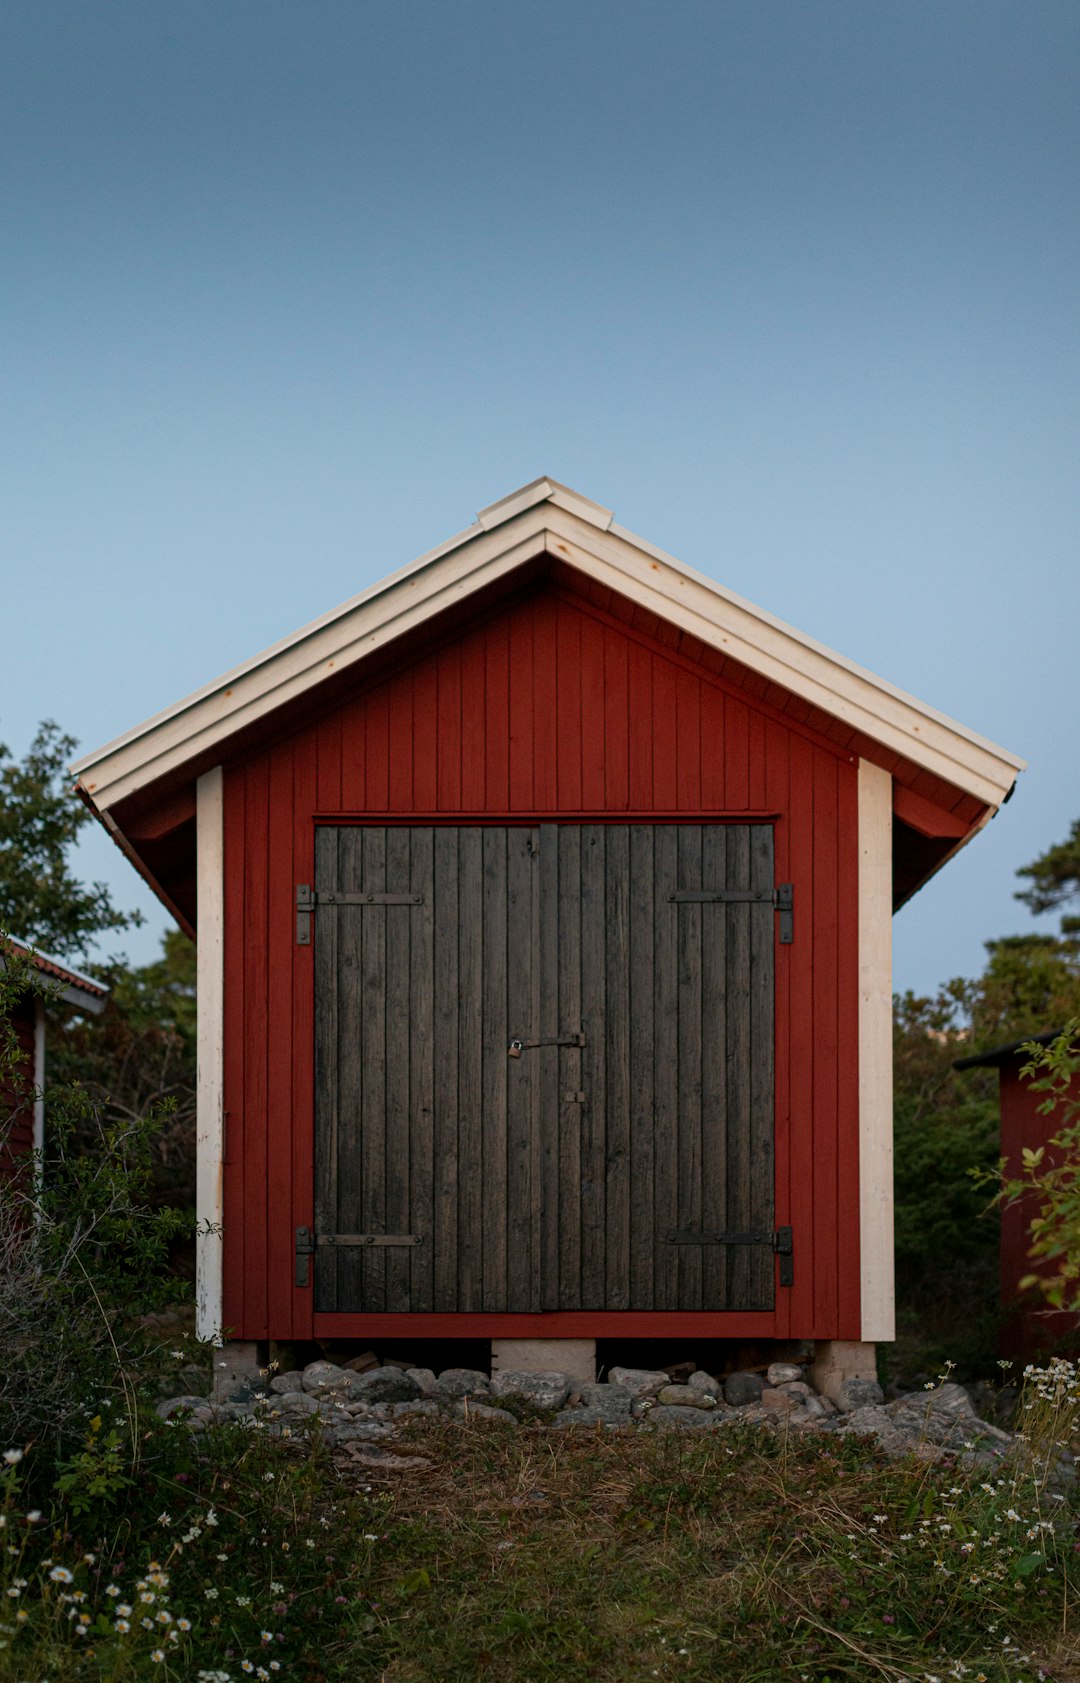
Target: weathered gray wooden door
600	1163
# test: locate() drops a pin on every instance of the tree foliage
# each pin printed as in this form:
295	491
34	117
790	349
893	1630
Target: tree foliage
1055	877
42	901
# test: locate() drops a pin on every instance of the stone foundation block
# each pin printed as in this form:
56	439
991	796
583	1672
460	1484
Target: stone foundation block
837	1360
576	1357
237	1363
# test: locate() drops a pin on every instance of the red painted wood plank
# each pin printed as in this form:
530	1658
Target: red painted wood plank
847	1054
688	741
425	739
400	743
256	1046
755	753
545	702
496	723
665	728
328	748
620	1323
592	712
377	749
737	754
352	752
281	939
521	712
301	968
616	722
472	708
568	706
826	1042
713	755
777	790
926	816
639	727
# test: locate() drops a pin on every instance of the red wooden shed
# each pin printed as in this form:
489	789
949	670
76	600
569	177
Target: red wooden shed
1028	1329
543	898
22	1104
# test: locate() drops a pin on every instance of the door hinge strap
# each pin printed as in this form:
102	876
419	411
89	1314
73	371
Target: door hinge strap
779	1241
517	1045
341	1240
780	898
307	898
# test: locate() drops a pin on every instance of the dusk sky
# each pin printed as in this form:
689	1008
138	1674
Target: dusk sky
289	291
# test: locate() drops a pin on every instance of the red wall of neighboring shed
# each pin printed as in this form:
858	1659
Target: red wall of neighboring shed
1031	1328
551	707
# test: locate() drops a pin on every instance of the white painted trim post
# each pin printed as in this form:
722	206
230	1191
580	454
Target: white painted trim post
875	1053
210	1115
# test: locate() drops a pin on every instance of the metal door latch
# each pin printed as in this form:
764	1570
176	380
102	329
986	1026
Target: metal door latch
518	1045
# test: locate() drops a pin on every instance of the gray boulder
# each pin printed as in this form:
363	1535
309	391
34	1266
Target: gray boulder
589	1416
425	1379
674	1415
706	1384
639	1381
466	1409
613	1401
320	1377
543	1390
684	1396
174	1405
782	1373
282	1383
463	1382
742	1389
381	1385
861	1393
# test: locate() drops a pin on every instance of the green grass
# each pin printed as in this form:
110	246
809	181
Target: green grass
526	1555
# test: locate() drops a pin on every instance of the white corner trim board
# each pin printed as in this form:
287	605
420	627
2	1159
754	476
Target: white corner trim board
875	1053
210	1082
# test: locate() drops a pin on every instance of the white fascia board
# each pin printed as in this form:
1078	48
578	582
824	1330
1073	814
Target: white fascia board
547	516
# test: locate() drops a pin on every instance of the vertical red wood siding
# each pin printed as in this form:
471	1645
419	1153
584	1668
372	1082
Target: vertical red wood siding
1030	1329
552	706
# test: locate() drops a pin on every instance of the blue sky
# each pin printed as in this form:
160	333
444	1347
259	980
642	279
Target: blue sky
290	290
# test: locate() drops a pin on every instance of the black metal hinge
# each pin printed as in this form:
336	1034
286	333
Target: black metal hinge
780	1241
307	898
780	898
307	1242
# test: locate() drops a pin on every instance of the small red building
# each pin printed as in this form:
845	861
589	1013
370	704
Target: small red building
543	898
1029	1329
22	1108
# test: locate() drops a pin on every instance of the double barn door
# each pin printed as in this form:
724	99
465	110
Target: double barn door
544	1067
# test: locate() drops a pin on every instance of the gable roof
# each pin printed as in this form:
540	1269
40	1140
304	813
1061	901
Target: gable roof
544	518
74	987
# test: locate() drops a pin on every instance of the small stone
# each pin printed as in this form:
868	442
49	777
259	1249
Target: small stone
706	1384
425	1379
325	1376
639	1381
468	1410
816	1408
296	1402
422	1405
684	1396
795	1388
743	1388
673	1415
283	1383
381	1385
872	1421
543	1390
862	1393
778	1401
463	1382
679	1372
613	1400
782	1373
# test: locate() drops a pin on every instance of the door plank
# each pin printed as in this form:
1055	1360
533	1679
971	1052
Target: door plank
421	1069
553	1068
666	1065
714	1154
445	1086
470	1048
496	1037
618	1240
688	920
570	1115
373	1039
594	1110
762	1041
642	1121
400	1026
520	1071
